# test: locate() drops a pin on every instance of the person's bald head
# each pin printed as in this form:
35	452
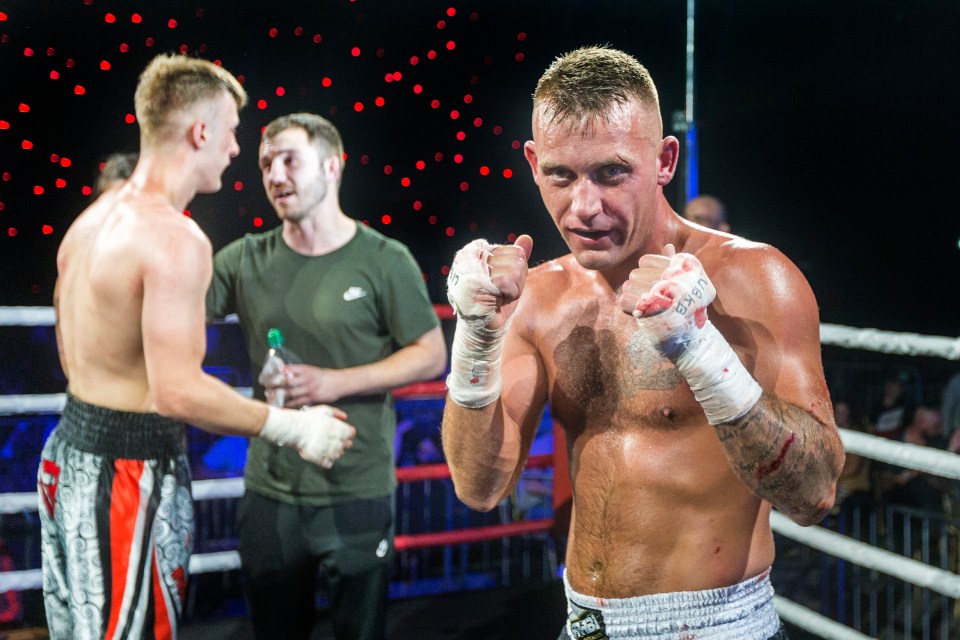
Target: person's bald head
707	211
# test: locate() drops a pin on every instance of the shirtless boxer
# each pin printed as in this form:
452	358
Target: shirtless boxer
686	415
116	510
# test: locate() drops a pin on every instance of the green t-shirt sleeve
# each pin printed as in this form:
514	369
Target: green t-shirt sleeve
406	304
221	295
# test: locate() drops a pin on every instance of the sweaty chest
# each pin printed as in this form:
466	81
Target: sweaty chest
607	373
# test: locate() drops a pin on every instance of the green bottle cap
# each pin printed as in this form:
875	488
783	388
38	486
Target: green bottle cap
274	338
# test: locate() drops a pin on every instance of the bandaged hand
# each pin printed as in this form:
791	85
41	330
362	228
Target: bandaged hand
669	295
319	433
484	282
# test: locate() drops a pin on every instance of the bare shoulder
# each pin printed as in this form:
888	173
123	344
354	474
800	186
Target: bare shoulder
756	279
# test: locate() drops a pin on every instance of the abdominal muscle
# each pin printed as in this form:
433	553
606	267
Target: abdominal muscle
659	512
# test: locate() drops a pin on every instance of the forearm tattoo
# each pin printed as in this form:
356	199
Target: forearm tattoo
782	453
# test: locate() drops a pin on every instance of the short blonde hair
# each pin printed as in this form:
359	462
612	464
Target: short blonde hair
582	85
172	84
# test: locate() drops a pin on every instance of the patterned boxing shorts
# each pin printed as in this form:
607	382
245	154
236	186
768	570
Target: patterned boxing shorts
116	518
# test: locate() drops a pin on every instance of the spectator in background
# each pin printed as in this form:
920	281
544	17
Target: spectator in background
895	410
116	169
854	482
707	211
950	407
911	487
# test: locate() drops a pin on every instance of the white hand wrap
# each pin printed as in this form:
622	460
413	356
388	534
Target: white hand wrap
317	434
474	379
719	381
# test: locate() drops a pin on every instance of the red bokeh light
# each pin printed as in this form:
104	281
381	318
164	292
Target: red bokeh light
508	173
461	135
432	220
24	107
405	181
317	38
65	162
37	190
60	183
109	18
519	57
298	31
451	45
355	52
258	221
280	91
326	82
478	122
124	47
129	118
484	170
458	158
387	169
136	18
105	65
435	104
171	23
431	54
273	33
261	104
386	219
12	232
414	60
451	12
54	74
421	165
454	114
449	231
464	186
379	101
4	124
418	89
26	144
149	42
86	190
46	229
441	24
238	186
358	106
28	52
417	205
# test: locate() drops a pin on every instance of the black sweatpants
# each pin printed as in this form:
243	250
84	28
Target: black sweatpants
282	546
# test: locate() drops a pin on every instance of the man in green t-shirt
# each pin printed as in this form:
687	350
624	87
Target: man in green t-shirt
343	296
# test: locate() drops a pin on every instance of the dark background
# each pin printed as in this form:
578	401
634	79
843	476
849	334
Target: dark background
828	128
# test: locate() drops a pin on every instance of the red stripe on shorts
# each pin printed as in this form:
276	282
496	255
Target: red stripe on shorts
124	515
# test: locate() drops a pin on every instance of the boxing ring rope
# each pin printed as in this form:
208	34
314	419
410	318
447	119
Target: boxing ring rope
926	459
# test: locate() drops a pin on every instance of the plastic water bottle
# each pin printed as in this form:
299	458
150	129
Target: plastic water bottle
277	357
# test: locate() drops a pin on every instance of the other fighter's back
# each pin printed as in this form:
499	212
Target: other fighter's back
102	264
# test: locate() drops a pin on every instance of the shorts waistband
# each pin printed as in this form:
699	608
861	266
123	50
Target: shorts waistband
119	434
742	611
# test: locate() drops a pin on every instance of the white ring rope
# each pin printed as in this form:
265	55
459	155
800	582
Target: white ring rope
863	554
814	622
941	463
907	344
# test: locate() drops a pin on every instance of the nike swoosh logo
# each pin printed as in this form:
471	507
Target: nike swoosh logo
353	293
